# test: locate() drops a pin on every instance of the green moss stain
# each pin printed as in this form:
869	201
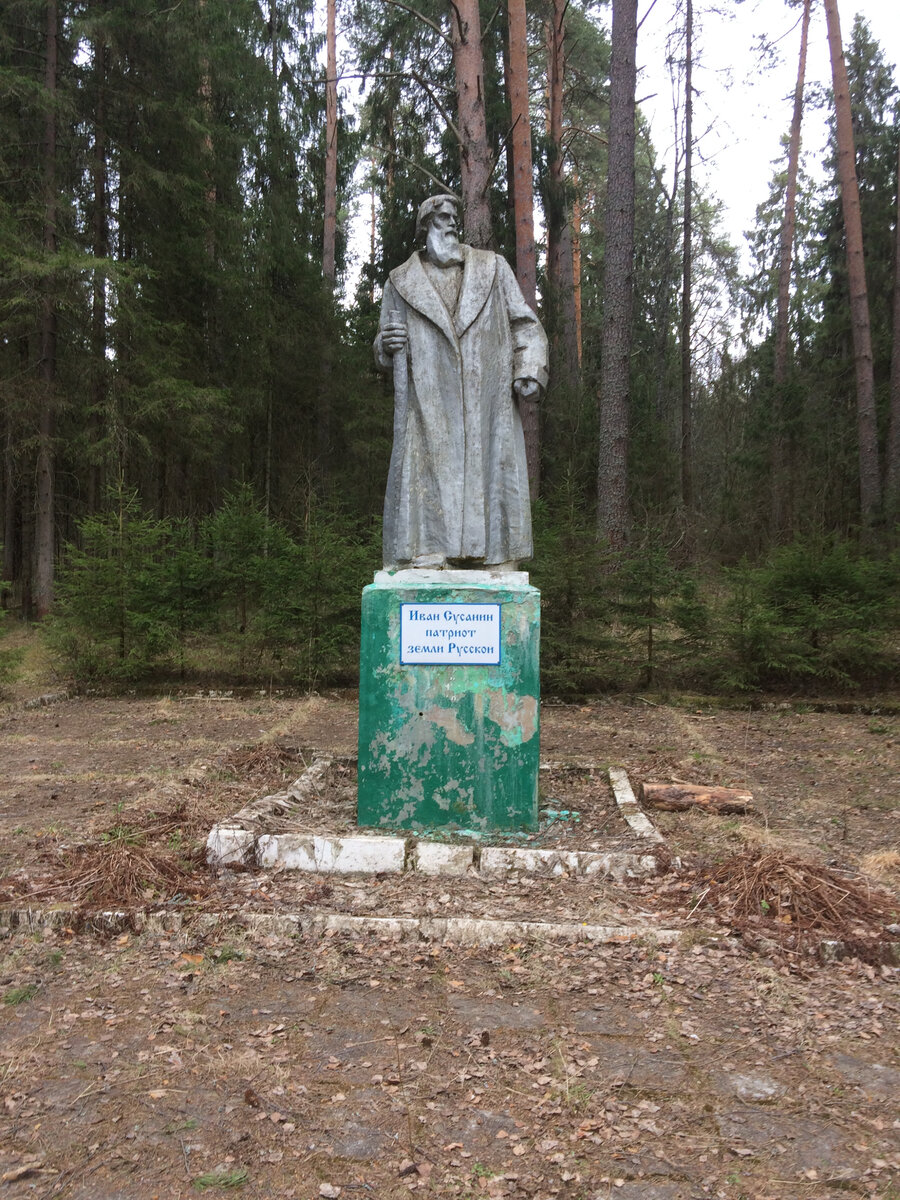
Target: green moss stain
449	746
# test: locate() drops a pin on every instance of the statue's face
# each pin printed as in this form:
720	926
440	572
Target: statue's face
442	236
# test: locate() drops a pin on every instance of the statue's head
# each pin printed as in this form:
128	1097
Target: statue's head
436	222
435	205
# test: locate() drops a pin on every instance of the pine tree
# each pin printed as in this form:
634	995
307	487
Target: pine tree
614	398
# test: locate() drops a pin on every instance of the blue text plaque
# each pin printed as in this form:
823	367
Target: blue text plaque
442	634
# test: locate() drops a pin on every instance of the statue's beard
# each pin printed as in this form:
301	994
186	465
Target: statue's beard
443	247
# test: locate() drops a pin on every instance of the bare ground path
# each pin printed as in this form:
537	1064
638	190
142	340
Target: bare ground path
143	1067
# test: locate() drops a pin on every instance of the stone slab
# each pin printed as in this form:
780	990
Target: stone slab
420	575
499	861
350	855
465	931
449	745
628	806
442	858
380	853
229	844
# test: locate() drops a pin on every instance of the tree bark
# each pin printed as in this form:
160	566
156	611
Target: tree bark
523	206
522	165
577	208
892	484
8	566
679	797
330	234
560	259
476	158
663	302
100	239
867	431
782	314
618	281
44	523
687	457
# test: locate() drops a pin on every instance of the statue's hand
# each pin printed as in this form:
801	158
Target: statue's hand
393	338
526	389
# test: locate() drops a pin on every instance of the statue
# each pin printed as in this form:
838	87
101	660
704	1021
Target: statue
464	346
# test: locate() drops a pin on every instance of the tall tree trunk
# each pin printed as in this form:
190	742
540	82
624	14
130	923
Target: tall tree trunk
663	304
476	158
560	260
618	279
577	208
8	566
687	437
780	516
373	230
211	196
523	206
326	362
522	164
869	476
892	484
330	235
44	522
273	140
100	239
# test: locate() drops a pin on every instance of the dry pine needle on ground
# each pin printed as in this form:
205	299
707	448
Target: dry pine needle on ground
790	898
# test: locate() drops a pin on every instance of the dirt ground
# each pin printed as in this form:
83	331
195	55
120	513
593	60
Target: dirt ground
138	1066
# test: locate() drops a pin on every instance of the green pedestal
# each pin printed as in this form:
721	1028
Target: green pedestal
449	739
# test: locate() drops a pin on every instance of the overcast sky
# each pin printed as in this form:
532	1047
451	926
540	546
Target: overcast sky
746	106
743	107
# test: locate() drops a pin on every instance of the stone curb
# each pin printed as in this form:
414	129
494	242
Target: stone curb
632	812
376	855
463	931
231	842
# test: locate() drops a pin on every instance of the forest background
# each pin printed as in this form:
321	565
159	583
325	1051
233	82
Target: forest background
195	440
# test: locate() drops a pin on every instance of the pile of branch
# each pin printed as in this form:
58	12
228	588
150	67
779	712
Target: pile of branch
118	871
266	763
155	826
788	900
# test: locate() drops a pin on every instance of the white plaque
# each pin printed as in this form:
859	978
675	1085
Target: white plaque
467	634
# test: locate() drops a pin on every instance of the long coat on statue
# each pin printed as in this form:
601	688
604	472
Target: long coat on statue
458	480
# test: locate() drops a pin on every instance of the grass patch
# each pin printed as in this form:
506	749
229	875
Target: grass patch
221	1179
227	954
20	995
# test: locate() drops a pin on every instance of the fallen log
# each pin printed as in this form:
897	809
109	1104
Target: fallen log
679	797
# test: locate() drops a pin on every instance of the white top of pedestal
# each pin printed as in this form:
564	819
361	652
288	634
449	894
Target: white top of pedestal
458	578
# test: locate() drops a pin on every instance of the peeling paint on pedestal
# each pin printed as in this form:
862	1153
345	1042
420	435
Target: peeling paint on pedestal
449	746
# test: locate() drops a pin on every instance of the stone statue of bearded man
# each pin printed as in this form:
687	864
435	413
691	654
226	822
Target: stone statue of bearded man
464	347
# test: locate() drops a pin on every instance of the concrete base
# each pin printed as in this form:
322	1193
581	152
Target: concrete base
449	744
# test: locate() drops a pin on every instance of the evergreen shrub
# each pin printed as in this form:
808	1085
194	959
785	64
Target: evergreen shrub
140	597
813	613
571	571
116	617
9	659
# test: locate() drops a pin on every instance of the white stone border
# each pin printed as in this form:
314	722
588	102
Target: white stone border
632	812
463	931
231	842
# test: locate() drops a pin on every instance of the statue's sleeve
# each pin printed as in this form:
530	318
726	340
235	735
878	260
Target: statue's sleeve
391	305
528	337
